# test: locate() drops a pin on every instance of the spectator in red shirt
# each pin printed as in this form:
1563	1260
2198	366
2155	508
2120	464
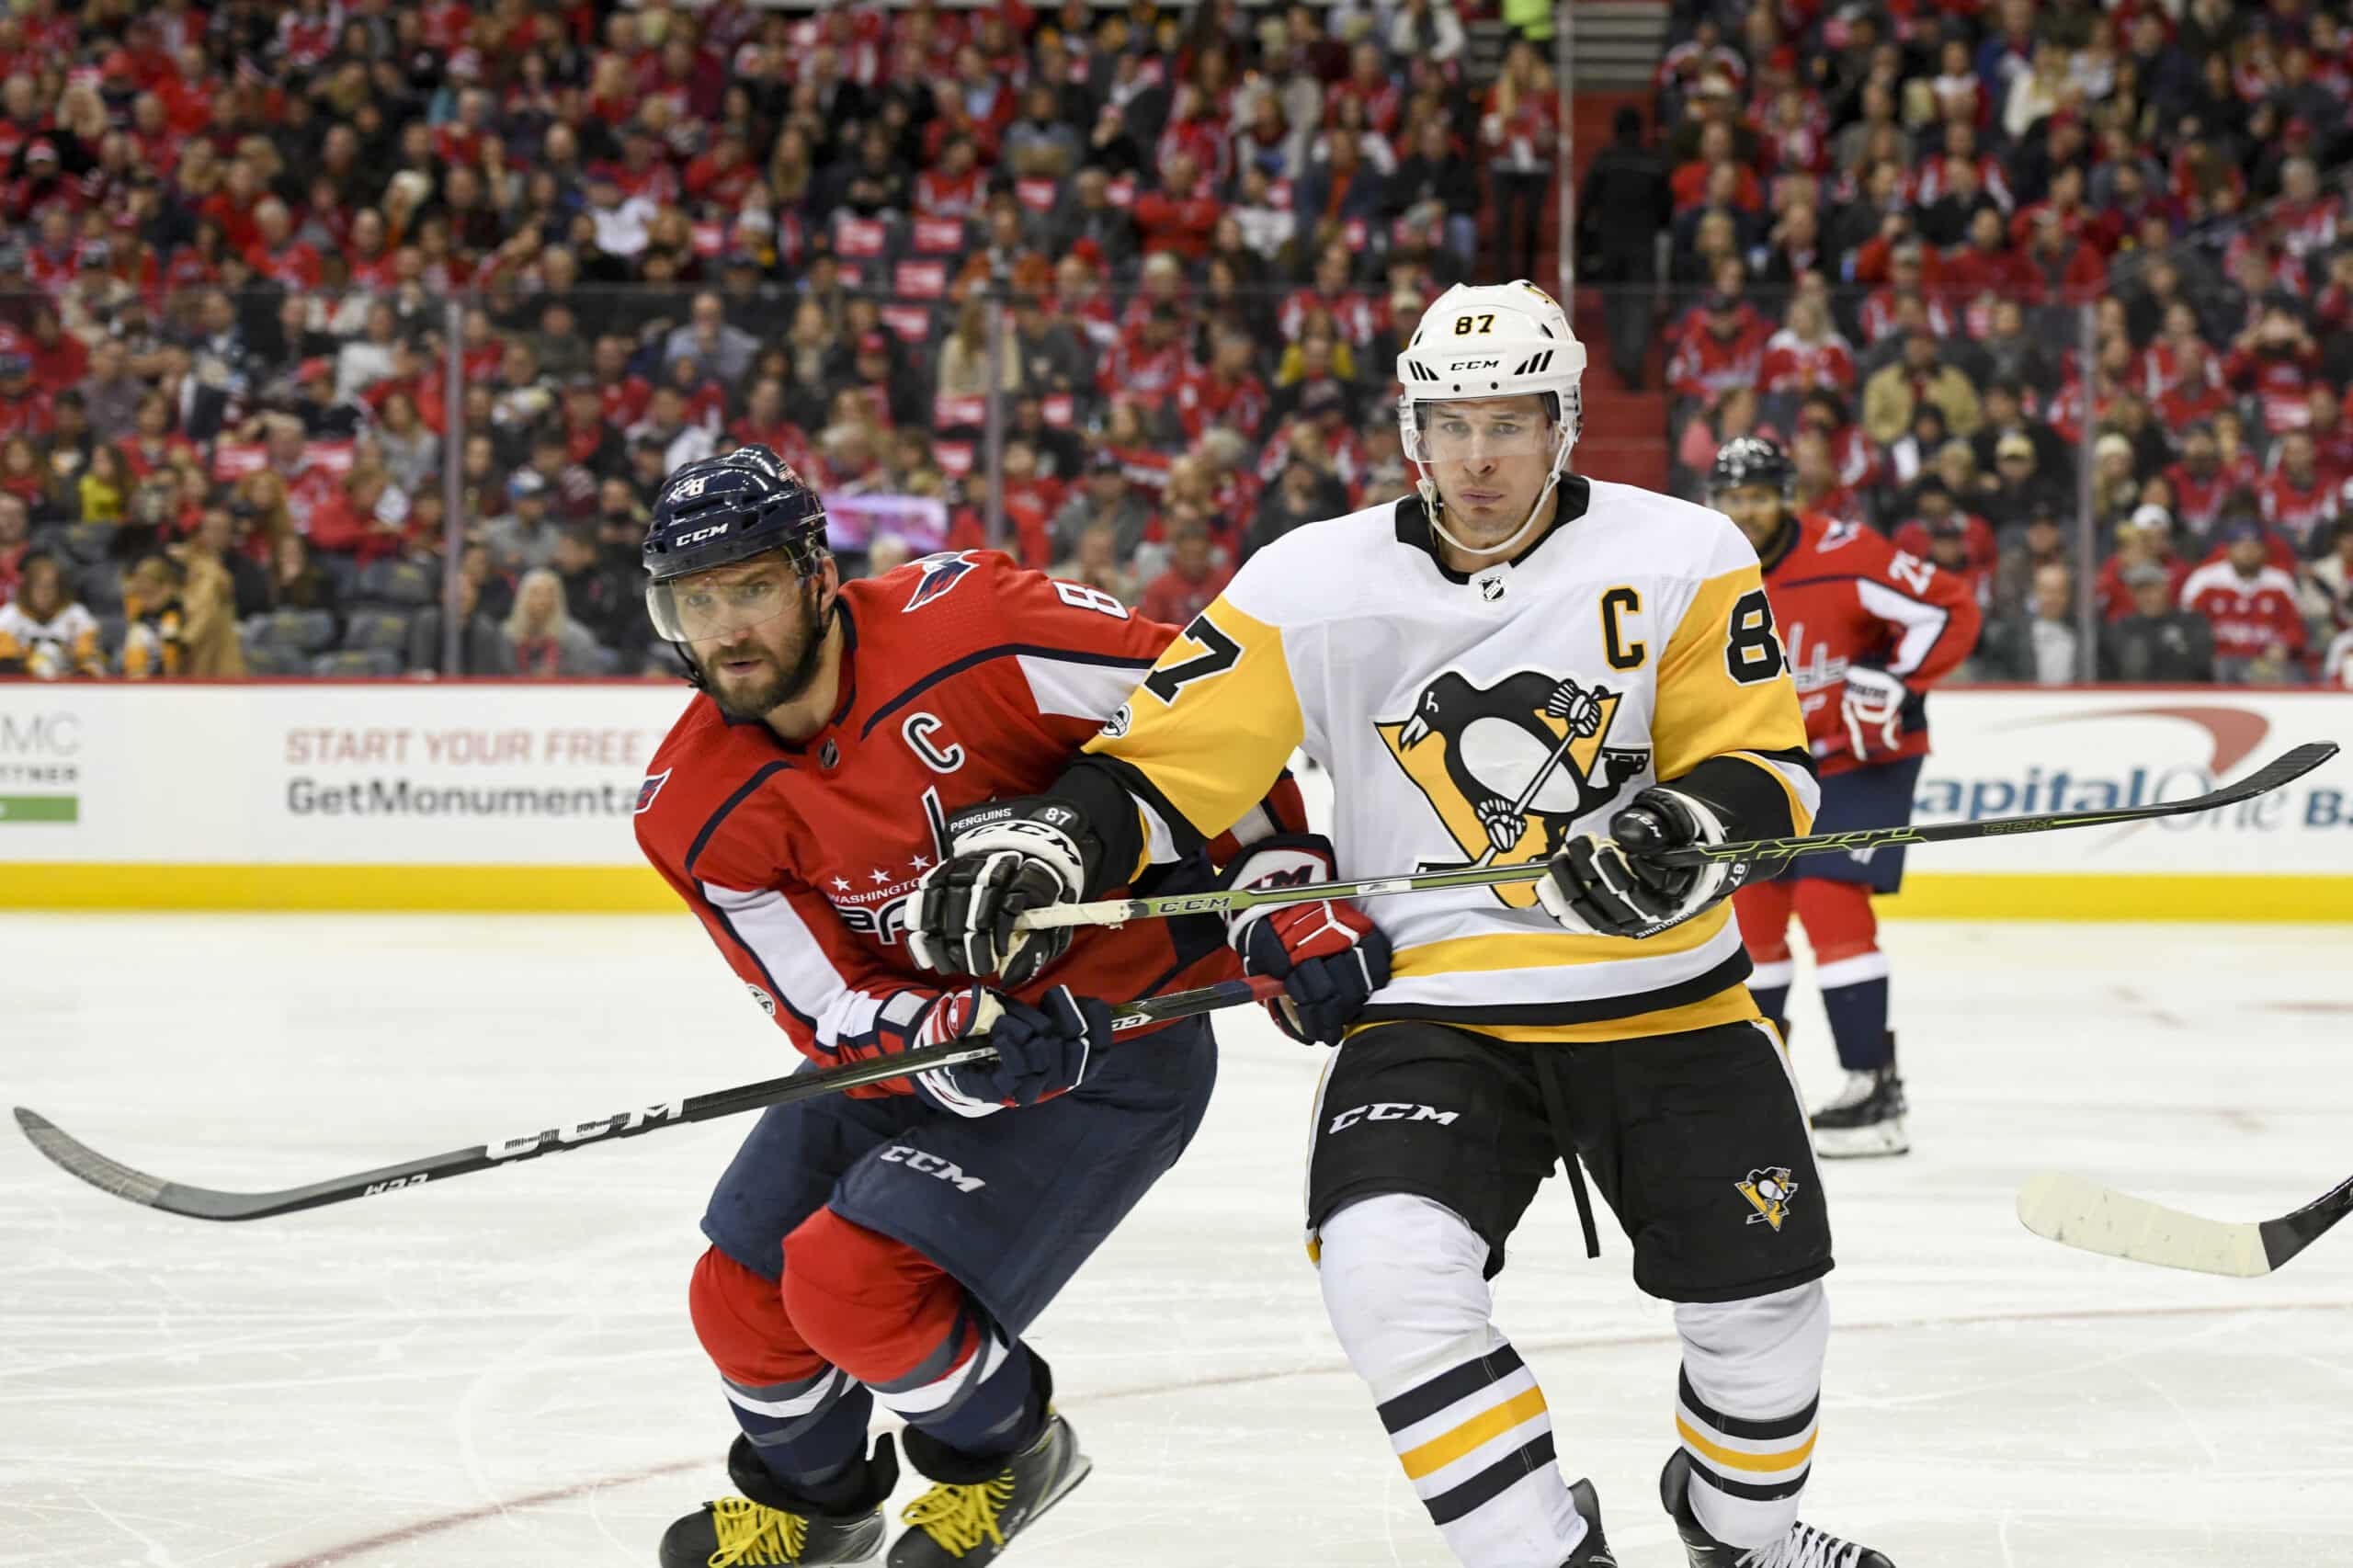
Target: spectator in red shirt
2298	499
2276	359
1194	577
1807	353
1725	347
1181	215
25	409
1226	393
2251	604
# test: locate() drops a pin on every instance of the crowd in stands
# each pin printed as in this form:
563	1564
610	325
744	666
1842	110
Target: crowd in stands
1954	257
284	285
290	294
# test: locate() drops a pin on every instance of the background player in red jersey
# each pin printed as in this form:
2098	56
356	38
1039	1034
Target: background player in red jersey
893	1245
1869	630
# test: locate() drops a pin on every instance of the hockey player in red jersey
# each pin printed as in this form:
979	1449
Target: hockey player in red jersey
1869	630
892	1246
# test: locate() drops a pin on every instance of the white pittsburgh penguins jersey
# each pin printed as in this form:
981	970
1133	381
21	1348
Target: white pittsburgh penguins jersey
1485	719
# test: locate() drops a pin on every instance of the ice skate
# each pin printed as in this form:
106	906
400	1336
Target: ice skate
977	1507
1864	1120
1802	1547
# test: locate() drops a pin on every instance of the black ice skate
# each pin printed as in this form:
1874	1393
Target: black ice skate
979	1506
1865	1119
1592	1551
770	1525
1804	1547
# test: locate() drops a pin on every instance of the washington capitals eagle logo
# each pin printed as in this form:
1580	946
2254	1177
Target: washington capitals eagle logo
940	573
1509	767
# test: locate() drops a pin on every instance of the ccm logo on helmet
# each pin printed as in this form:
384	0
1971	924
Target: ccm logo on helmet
701	534
1461	365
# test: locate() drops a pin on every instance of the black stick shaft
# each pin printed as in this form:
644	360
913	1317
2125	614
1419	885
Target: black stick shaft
2285	769
207	1203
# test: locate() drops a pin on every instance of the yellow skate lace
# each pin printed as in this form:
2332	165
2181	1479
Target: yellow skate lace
750	1532
961	1517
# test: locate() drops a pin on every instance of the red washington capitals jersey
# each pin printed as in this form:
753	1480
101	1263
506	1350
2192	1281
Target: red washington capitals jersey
1842	596
964	677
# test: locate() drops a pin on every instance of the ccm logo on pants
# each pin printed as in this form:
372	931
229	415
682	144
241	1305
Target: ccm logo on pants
1389	1110
932	1164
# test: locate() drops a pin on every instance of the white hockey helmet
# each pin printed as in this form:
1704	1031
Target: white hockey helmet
1490	341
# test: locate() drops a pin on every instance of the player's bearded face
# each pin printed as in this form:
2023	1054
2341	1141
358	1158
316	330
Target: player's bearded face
1489	457
767	628
1754	509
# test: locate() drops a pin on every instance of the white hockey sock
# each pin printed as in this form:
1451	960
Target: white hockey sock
1403	1282
1747	1407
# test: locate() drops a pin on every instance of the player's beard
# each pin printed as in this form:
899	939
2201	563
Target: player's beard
788	675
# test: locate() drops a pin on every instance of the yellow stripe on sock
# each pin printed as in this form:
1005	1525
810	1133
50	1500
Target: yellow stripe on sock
1448	1447
1732	1459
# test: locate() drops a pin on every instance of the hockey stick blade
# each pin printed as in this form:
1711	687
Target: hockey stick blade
2285	769
78	1159
2079	1213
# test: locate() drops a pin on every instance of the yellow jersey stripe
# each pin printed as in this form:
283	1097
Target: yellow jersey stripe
1702	709
1732	1459
1214	723
1731	1005
1486	1426
1458	955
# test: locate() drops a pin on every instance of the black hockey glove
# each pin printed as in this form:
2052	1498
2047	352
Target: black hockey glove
1605	887
1329	955
1003	856
1041	1051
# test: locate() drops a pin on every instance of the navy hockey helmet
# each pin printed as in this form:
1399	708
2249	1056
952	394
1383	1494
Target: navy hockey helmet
1751	460
720	511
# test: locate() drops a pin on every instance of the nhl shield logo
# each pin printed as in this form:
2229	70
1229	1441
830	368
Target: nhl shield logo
1768	1191
1509	767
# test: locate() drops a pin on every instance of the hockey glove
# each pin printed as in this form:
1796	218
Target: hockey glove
1604	886
1003	856
1041	1051
1329	955
1872	709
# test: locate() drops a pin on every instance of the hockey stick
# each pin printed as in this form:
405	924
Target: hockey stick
2285	769
207	1203
2080	1213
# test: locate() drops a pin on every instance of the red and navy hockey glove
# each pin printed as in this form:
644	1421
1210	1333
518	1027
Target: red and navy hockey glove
1041	1051
1871	707
1329	955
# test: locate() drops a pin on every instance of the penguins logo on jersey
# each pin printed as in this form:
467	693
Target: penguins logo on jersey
1768	1192
1509	767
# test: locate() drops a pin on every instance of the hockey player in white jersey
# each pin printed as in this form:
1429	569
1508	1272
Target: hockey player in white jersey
1516	663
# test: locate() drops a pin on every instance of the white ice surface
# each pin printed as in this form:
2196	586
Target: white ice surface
499	1372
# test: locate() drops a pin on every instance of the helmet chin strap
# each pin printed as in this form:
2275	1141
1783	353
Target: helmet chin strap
1435	507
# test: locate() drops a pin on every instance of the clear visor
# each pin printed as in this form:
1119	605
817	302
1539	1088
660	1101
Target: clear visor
1456	433
723	601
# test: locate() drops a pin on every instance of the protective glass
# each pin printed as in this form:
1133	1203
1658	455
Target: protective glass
724	600
1450	433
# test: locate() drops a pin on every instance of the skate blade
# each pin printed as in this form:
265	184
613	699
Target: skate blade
1879	1143
1079	1471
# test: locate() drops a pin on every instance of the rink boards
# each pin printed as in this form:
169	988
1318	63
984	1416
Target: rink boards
511	796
